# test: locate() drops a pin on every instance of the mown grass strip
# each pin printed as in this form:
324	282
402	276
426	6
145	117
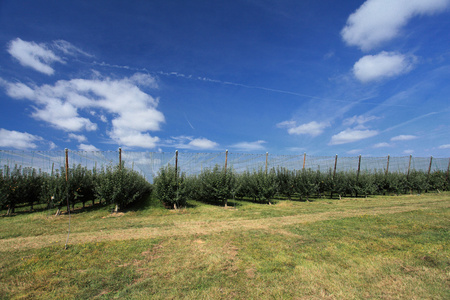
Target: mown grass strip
357	249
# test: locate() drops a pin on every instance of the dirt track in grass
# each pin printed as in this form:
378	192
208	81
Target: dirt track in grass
274	225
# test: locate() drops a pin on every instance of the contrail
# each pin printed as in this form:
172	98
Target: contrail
206	79
188	121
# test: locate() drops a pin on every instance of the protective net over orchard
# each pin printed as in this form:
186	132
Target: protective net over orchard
148	164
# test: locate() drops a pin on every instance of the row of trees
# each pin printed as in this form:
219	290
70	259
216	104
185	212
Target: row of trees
120	186
217	185
27	187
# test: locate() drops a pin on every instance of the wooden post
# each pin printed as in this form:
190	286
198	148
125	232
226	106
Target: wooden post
67	176
226	160
387	166
267	157
120	158
225	201
335	164
304	160
176	163
409	165
429	168
359	167
448	168
67	164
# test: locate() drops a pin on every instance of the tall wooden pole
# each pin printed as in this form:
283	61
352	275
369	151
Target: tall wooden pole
335	165
120	158
176	163
226	160
429	168
267	157
387	166
304	160
67	178
359	167
67	164
409	165
448	168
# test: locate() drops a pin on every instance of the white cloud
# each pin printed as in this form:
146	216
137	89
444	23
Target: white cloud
249	146
312	128
202	143
447	146
378	21
403	138
63	115
382	65
381	145
133	112
30	54
187	142
351	135
18	140
79	137
85	147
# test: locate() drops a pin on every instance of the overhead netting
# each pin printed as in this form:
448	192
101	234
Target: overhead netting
149	163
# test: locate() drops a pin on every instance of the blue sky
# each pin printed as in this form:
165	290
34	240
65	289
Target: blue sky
285	77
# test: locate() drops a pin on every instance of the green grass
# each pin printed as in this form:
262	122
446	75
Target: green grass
380	247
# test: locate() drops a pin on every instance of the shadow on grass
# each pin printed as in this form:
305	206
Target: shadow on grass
89	207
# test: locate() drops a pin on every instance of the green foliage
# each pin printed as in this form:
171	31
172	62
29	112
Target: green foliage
286	182
258	186
306	183
19	186
438	181
119	186
170	186
417	181
216	185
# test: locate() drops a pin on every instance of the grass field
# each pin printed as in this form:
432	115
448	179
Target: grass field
395	247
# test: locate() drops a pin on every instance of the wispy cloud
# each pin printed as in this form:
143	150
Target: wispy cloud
18	140
382	145
351	135
408	152
78	137
358	120
86	147
249	146
191	143
69	49
403	138
378	21
447	146
382	65
35	56
40	57
312	128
